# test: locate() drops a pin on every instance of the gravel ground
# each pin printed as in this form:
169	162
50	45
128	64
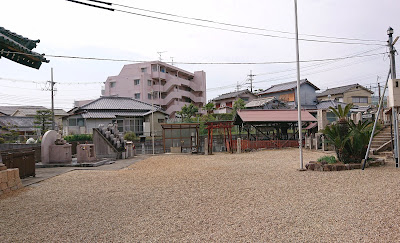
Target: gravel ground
257	197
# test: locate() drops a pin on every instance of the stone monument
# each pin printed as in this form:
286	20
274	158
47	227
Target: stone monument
54	149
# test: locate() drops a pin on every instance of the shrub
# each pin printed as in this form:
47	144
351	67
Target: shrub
130	136
328	159
78	137
2	140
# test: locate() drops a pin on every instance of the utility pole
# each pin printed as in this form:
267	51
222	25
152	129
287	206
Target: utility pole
251	80
394	108
53	124
152	117
298	88
379	95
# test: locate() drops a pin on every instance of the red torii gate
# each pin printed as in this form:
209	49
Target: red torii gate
227	126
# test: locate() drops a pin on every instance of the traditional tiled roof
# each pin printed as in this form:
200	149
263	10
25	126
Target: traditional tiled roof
325	104
260	102
10	110
341	90
20	123
286	86
272	116
111	114
117	103
232	95
12	42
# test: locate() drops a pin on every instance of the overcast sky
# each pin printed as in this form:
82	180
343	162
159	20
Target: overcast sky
66	28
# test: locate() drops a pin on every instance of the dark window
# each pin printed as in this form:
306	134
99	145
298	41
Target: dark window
229	104
160	120
137	81
137	96
72	122
359	99
112	84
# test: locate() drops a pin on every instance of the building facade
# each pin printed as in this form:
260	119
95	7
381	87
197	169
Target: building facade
224	102
129	114
353	93
287	92
159	83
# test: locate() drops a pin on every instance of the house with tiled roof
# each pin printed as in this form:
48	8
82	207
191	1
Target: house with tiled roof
31	111
224	102
287	92
128	113
353	93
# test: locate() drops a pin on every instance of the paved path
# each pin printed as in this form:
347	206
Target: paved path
45	173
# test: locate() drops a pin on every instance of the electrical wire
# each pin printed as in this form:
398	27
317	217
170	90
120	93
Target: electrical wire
235	25
224	29
204	63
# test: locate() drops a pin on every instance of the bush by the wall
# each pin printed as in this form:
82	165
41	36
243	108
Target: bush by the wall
78	137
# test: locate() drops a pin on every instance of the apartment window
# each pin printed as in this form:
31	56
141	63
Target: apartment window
149	96
112	84
161	120
229	104
217	105
137	81
149	82
162	69
143	70
154	68
137	96
245	99
359	99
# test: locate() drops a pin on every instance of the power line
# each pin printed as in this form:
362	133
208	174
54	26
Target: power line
205	63
219	28
234	25
286	76
312	65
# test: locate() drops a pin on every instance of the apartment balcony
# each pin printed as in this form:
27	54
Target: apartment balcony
179	94
158	75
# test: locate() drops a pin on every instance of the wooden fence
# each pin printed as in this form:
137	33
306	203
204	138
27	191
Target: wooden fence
23	160
271	144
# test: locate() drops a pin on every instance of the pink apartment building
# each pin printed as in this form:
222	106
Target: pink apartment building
163	84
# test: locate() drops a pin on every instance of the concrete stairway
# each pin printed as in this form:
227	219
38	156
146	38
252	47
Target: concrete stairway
381	143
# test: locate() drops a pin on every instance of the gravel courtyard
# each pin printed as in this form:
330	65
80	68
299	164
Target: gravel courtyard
251	197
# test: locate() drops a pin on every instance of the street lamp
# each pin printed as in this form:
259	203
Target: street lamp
390	31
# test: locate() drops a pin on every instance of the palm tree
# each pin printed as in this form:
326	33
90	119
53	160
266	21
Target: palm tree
341	114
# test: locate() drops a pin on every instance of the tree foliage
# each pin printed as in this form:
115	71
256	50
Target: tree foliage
43	120
238	105
209	107
188	111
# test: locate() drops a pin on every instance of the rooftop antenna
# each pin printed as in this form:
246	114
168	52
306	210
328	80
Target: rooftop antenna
159	55
172	61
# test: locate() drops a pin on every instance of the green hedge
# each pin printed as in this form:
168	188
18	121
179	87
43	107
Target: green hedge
78	137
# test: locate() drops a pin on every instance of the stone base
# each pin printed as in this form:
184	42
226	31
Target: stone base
318	166
9	181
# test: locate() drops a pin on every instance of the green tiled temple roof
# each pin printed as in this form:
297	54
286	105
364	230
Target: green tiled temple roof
19	49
